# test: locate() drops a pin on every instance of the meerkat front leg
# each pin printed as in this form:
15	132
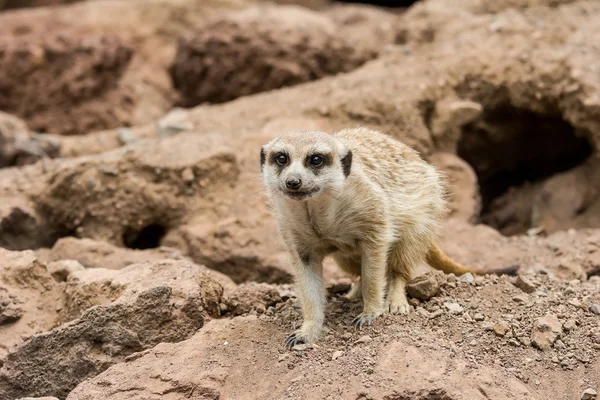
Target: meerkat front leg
309	279
373	274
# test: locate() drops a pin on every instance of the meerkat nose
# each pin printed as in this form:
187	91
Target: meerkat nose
293	182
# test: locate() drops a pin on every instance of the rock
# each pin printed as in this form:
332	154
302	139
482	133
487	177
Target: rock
21	227
464	201
467	278
569	325
545	331
589	394
158	302
524	284
97	254
251	296
38	398
501	328
29	297
114	211
60	270
424	287
454	308
479	317
595	308
10	311
364	339
286	45
19	146
336	355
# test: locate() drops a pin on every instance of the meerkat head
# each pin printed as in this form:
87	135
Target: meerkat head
302	164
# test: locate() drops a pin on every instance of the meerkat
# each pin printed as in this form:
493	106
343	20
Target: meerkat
366	199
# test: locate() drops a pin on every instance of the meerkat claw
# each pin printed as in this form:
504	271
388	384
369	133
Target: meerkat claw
294	339
362	320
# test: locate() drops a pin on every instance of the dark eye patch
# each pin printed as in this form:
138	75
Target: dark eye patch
279	159
317	161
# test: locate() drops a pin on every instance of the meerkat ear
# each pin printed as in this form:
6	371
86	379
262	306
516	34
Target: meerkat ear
263	157
347	163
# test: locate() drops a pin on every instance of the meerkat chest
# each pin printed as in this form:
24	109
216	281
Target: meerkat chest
328	231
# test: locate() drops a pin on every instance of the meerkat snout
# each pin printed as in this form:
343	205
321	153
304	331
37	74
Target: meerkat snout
301	167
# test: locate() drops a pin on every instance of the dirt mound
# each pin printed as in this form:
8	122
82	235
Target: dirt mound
79	77
145	304
442	351
258	50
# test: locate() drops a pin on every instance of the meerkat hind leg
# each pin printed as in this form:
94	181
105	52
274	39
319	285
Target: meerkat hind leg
350	265
400	270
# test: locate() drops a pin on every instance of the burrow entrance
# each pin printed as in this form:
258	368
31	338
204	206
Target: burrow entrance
511	148
149	237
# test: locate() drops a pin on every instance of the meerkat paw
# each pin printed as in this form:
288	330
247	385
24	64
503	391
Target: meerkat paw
306	334
364	319
354	293
397	303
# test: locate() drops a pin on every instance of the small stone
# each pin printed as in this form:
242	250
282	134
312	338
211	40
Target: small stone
187	175
488	326
300	347
424	287
346	336
337	355
589	394
545	331
468	278
364	339
570	325
595	308
575	303
454	308
501	328
521	299
479	317
524	284
524	340
436	313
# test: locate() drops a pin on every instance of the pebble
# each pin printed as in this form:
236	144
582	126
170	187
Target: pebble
479	317
521	299
468	277
424	287
436	313
337	355
589	394
300	347
595	308
454	308
501	328
545	331
569	325
364	339
488	326
524	284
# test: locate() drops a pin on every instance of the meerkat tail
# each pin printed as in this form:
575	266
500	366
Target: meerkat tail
439	260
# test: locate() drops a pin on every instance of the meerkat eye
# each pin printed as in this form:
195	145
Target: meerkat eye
316	160
281	159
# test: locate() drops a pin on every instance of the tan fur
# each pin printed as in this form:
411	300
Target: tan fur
378	223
